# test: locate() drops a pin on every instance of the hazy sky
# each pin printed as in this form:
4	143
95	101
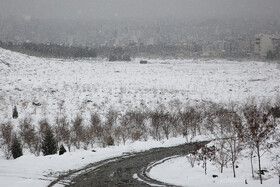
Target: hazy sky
145	9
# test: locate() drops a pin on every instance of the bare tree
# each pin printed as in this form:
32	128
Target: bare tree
43	127
258	127
191	120
167	123
156	122
111	119
233	142
6	134
63	131
94	129
124	130
137	121
222	157
95	126
222	125
78	131
204	154
29	136
192	158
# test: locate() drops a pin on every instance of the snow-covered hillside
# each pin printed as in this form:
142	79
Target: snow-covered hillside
96	85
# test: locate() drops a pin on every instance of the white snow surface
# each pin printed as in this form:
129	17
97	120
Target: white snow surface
123	86
178	171
126	85
30	170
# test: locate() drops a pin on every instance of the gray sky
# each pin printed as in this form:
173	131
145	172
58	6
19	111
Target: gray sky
144	9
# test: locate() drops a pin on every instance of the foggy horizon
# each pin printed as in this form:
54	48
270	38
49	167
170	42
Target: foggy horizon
140	9
94	22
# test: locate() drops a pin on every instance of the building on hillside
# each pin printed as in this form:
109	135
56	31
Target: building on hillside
265	43
276	46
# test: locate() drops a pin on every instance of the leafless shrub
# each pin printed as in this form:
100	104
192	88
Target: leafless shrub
204	154
43	127
107	133
6	134
124	130
167	121
95	129
156	120
118	135
175	121
88	137
233	144
162	123
209	116
29	135
192	158
190	119
137	123
257	128
78	131
63	131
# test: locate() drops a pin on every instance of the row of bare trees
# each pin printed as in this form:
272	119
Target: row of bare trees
234	128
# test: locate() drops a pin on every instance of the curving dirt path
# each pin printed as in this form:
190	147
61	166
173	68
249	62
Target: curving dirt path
127	170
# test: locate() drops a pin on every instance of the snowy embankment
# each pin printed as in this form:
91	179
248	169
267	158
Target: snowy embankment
30	170
178	171
97	85
84	86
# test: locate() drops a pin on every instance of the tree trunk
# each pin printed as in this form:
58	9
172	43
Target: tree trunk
233	168
205	166
259	160
251	159
233	158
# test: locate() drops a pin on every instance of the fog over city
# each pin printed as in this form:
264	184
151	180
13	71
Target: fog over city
141	9
99	22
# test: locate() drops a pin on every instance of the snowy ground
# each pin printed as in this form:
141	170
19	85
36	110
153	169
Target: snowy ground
30	170
178	171
126	85
97	85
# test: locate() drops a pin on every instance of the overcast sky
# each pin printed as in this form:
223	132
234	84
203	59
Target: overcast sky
145	9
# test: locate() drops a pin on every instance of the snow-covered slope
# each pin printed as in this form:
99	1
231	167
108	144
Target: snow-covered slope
96	85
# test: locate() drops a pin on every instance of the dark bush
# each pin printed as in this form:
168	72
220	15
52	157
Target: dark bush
15	113
16	147
62	150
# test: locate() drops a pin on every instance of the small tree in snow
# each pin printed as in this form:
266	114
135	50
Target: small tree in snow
190	118
63	131
95	129
234	144
6	133
78	130
15	113
16	147
258	127
62	149
228	144
204	154
49	144
192	158
28	134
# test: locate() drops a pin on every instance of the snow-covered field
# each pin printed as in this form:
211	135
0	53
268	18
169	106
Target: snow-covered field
178	171
97	85
30	170
123	85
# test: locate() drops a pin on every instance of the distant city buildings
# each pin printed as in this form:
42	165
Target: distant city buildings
265	44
